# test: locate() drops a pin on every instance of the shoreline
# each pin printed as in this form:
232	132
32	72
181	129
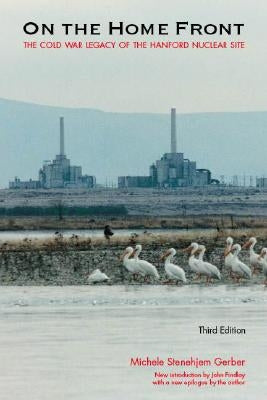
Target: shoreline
69	261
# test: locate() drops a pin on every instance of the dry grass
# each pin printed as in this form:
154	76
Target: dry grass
219	223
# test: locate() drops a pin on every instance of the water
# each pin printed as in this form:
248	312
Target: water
75	342
45	234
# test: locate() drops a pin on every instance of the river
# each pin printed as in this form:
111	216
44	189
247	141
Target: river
45	234
76	342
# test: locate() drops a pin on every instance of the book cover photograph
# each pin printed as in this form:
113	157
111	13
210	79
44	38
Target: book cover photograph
133	200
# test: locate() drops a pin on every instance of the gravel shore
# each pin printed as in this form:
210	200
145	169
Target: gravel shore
66	263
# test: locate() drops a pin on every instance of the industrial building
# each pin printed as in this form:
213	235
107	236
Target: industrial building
134	181
58	173
18	184
261	182
172	170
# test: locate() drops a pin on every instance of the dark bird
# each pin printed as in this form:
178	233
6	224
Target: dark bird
108	232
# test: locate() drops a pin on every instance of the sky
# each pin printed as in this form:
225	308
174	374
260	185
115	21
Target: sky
130	80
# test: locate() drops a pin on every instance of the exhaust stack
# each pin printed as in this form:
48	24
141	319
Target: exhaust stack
62	150
173	131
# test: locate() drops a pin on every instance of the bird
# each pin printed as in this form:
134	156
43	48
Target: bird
144	267
58	235
129	263
263	262
208	269
239	269
97	276
253	256
174	272
228	255
108	232
193	262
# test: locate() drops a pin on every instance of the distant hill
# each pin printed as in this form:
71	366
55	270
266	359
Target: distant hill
110	144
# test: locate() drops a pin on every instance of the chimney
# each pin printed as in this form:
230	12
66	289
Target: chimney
62	151
173	131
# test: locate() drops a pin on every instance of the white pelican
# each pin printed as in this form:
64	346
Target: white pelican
253	257
193	262
97	276
129	264
136	252
144	267
173	271
238	267
263	262
228	256
210	270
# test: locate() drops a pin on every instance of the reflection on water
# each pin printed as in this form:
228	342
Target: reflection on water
137	295
75	342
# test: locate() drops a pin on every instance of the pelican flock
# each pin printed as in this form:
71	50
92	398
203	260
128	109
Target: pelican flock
236	268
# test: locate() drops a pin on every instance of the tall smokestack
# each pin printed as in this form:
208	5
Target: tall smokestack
173	131
62	150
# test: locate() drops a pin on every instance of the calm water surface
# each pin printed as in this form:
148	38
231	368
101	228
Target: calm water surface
45	234
75	342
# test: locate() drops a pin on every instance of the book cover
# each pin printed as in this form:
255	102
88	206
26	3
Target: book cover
133	224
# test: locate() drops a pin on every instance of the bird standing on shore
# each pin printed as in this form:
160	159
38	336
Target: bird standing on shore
193	262
108	232
144	267
253	256
263	262
129	263
210	270
228	255
239	269
173	272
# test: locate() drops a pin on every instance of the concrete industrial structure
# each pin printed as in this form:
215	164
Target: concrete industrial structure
57	173
261	183
172	170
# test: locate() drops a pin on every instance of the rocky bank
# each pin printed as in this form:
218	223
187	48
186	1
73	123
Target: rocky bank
70	266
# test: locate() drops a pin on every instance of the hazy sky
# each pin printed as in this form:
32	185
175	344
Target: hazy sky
136	80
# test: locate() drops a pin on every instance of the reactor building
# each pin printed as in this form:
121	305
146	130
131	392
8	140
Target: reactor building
58	173
172	170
